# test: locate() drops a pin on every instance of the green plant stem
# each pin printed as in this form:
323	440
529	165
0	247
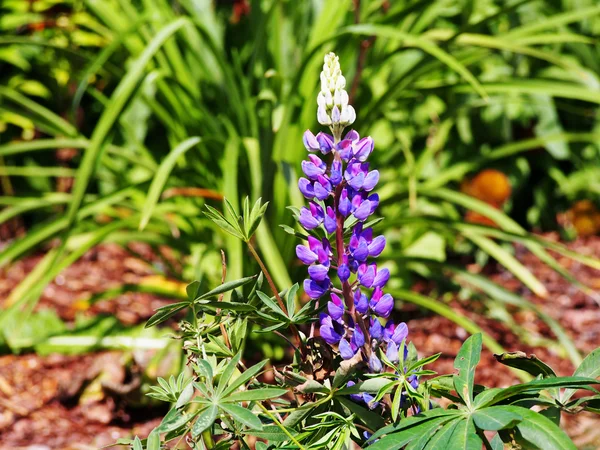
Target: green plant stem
276	293
280	425
207	439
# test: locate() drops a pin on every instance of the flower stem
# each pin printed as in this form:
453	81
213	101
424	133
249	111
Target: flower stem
267	275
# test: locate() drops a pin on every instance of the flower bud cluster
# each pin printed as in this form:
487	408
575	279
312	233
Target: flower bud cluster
341	248
334	109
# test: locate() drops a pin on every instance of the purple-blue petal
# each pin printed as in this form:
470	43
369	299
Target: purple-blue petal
400	333
361	304
343	272
371	180
392	352
306	188
315	289
310	141
358	338
381	278
374	365
318	272
376	330
363	211
384	306
325	142
376	246
307	220
305	255
329	220
345	349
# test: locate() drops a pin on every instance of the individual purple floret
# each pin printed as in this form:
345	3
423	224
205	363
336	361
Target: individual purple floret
340	189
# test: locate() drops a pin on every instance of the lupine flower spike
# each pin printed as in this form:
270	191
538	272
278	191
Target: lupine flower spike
343	270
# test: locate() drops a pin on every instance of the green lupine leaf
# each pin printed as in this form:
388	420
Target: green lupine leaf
242	415
165	312
409	433
222	222
495	418
173	420
153	442
244	377
255	395
464	437
228	373
465	362
412	421
204	420
538	385
540	431
226	287
529	363
589	367
137	444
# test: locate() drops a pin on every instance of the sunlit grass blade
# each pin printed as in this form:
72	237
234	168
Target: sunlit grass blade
160	178
118	100
61	125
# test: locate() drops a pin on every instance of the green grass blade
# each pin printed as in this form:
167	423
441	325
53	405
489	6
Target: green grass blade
160	179
61	125
120	97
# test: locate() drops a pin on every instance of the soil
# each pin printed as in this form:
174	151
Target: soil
55	401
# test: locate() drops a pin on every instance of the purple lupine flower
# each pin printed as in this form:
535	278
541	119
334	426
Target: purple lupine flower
392	352
346	350
316	289
358	337
331	330
395	333
310	142
338	190
325	142
313	168
355	397
381	304
361	304
375	363
329	221
376	330
335	307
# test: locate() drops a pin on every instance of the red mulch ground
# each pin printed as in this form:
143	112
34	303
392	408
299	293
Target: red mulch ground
47	402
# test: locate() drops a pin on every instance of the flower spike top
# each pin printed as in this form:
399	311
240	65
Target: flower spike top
341	249
334	109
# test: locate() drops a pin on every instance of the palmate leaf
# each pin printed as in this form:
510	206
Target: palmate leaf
371	419
222	222
412	421
244	377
